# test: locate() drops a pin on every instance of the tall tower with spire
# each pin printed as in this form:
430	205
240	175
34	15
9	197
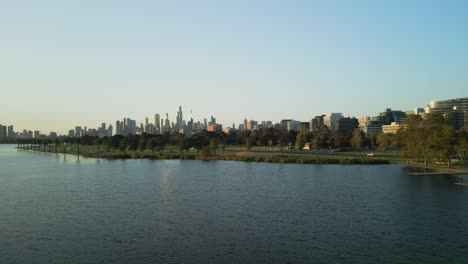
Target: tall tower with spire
180	119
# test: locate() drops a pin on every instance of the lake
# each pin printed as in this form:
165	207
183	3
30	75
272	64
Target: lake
61	209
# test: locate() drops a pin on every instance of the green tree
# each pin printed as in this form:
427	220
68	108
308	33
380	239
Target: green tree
301	138
461	145
114	142
248	144
384	141
430	137
199	141
214	145
152	144
205	153
445	142
142	143
339	139
356	139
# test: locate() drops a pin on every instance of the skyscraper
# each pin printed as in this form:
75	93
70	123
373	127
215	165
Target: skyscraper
157	123
118	128
167	125
146	128
179	119
109	131
11	132
330	120
78	132
3	131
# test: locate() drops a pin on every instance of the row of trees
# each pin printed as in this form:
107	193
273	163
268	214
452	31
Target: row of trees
431	138
265	137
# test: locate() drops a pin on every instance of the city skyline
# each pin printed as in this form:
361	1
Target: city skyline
67	63
388	121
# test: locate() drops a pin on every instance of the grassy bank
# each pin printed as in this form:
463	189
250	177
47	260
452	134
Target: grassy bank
229	154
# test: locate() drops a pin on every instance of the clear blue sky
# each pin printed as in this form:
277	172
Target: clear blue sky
67	63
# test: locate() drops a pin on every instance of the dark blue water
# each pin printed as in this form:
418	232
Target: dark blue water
56	209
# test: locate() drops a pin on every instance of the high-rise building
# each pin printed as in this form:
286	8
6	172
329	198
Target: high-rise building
167	125
306	125
347	124
251	125
330	120
11	132
110	131
284	124
293	125
389	116
78	132
212	121
3	131
316	122
179	119
157	124
372	127
215	128
146	128
118	128
129	127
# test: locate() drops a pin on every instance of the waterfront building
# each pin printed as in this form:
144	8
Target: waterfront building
36	134
3	131
10	132
454	110
26	134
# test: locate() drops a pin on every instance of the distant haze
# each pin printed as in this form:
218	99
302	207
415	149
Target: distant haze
67	63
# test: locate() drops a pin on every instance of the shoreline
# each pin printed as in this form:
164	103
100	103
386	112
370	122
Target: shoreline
265	157
274	157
